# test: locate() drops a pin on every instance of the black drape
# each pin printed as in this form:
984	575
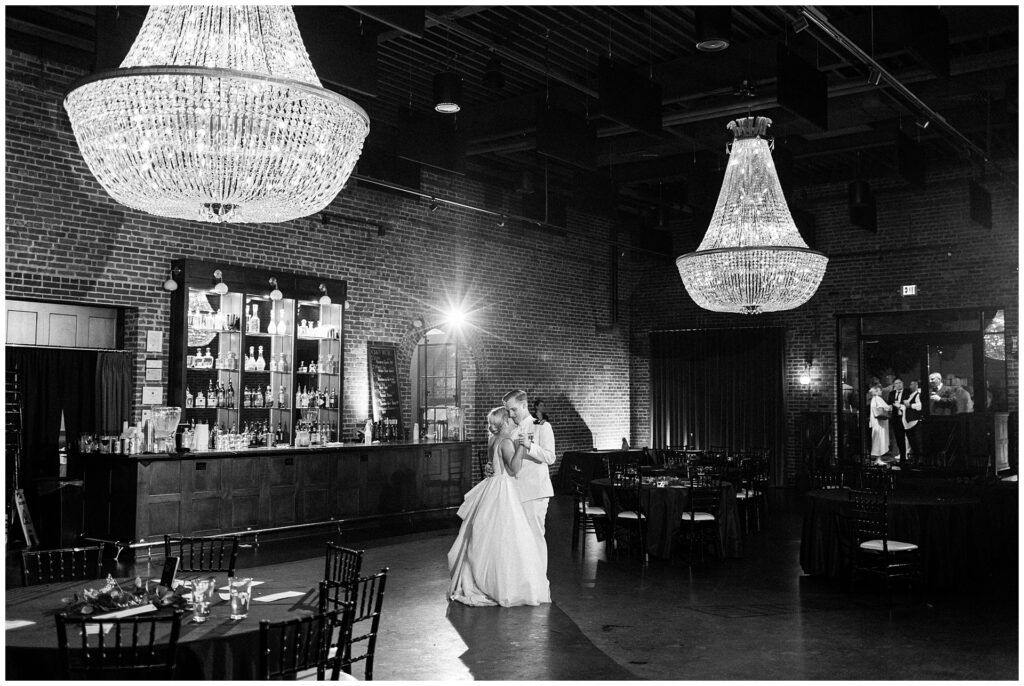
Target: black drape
54	381
719	387
113	391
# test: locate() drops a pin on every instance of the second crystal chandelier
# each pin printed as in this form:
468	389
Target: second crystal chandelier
217	115
752	258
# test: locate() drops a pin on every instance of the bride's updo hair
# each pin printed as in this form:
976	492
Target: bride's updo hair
496	419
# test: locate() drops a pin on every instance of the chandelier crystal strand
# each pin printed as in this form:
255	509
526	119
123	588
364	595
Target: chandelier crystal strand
752	258
216	114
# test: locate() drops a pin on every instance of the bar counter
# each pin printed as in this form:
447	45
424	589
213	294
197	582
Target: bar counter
131	498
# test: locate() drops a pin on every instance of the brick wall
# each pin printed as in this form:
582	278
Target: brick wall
538	298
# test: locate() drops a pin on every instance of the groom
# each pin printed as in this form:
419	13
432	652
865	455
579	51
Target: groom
534	479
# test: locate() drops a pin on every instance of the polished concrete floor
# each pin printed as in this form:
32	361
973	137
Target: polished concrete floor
755	618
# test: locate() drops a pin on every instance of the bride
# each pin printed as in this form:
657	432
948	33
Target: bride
498	556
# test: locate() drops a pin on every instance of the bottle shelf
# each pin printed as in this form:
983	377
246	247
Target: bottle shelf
304	337
200	329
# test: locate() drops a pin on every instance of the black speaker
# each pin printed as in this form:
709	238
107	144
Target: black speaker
862	206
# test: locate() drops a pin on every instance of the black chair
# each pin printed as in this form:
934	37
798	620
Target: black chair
699	523
61	564
750	494
877	478
203	553
292	646
342	564
627	513
366	596
832	479
875	553
586	517
132	648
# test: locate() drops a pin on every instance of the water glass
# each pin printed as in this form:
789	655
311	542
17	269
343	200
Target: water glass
239	590
202	598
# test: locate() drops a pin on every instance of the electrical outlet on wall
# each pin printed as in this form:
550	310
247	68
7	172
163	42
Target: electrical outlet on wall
146	414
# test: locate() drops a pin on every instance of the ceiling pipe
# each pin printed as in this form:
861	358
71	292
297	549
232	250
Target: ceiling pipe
814	16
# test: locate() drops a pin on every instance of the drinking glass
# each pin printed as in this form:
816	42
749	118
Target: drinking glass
202	597
239	590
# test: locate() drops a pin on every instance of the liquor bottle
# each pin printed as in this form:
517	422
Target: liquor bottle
189	399
208	360
282	366
271	325
220	395
230	395
298	398
269	396
280	398
250	360
314	434
273	364
279	434
200	400
261	364
211	395
282	327
232	360
190	360
332	402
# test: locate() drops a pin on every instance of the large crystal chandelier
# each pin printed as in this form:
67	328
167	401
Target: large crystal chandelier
752	258
217	115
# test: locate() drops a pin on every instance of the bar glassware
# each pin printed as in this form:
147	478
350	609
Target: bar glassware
239	590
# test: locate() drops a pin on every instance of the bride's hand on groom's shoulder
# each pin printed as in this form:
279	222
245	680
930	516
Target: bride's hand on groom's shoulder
488	470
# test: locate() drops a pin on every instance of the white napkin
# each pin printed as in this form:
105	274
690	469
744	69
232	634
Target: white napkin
16	623
141	609
278	596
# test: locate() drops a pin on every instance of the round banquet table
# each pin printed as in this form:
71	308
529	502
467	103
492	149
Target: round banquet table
664	508
219	648
960	535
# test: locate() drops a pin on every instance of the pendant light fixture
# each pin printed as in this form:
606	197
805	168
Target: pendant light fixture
752	258
447	92
217	115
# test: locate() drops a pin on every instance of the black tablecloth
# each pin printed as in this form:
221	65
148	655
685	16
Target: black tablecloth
664	508
591	464
962	536
219	648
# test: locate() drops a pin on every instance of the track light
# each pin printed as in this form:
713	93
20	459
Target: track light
874	77
324	299
501	222
275	294
433	205
220	288
800	24
447	92
923	123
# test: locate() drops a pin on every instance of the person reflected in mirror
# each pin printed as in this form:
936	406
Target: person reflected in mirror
879	413
964	402
942	400
897	433
913	414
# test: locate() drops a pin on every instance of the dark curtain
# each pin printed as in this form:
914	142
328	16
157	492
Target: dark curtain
719	387
52	381
113	391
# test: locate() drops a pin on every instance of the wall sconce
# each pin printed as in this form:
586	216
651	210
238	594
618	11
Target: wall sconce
220	288
275	294
805	378
324	299
170	285
417	323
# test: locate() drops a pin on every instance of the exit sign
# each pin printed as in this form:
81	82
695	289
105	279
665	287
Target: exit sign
910	290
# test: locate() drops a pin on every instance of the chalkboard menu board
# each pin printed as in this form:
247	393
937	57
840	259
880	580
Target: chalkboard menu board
382	362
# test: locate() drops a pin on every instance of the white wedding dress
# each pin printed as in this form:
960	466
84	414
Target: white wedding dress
499	556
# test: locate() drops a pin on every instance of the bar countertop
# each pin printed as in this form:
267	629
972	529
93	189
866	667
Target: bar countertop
256	452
